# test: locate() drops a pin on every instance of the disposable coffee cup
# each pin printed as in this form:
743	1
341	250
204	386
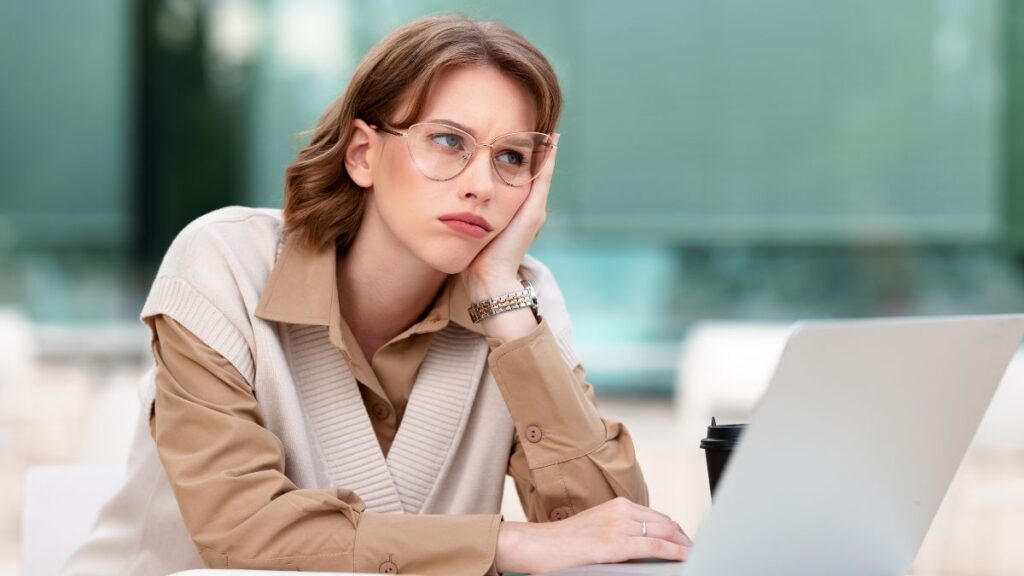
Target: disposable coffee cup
721	440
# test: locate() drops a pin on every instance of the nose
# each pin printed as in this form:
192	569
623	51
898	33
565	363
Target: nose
477	178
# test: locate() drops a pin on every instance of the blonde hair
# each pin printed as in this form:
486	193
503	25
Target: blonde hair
321	202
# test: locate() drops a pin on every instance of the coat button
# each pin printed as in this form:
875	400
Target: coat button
381	411
560	513
388	567
533	434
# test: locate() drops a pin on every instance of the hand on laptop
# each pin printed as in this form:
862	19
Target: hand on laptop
608	532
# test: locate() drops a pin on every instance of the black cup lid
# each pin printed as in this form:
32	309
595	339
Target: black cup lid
722	435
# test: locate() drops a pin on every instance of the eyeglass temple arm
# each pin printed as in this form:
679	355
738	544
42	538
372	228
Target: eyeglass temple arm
388	130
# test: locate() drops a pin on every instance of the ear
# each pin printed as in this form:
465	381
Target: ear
361	153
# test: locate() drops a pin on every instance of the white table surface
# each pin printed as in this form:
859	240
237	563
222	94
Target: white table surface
209	572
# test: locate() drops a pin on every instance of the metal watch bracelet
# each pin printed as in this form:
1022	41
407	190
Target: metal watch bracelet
527	297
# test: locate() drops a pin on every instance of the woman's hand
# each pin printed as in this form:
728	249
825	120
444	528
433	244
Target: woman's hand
497	265
609	532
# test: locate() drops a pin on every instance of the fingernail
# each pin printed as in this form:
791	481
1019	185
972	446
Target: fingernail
557	138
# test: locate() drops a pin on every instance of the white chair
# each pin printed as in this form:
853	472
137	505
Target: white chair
17	362
60	506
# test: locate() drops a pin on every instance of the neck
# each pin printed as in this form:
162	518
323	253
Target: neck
383	288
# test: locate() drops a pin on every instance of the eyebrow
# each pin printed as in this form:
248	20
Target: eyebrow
463	127
453	123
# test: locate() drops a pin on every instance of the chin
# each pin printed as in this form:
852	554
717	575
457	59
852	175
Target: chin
450	265
447	259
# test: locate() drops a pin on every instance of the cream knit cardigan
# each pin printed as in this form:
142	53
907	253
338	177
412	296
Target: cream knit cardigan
450	454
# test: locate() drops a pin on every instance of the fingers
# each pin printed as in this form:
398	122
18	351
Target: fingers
614	532
665	537
640	547
547	173
639	512
666	531
624	507
686	539
537	200
549	170
642	513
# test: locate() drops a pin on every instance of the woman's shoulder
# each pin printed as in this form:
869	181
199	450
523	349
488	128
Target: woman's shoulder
232	222
231	235
210	278
217	267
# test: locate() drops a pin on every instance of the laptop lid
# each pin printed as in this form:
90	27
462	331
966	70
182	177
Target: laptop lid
851	449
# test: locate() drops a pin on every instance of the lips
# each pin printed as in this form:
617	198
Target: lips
467	223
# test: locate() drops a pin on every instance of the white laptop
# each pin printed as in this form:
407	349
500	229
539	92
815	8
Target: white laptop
850	450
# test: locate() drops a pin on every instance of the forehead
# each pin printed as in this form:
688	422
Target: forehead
482	98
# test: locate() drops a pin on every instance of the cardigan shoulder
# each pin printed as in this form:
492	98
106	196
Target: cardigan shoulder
231	235
212	275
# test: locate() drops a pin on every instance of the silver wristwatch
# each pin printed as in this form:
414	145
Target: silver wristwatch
527	297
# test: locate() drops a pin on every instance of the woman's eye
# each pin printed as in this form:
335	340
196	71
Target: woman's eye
511	157
452	141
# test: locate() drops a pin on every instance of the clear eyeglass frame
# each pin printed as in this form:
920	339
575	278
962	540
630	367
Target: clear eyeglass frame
428	162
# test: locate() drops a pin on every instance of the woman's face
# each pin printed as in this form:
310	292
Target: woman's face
406	207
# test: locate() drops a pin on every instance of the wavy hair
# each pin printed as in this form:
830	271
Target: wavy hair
321	202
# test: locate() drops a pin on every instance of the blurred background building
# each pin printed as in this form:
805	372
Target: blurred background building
736	161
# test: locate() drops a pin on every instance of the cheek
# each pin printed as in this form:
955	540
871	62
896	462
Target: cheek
396	172
397	188
511	200
407	203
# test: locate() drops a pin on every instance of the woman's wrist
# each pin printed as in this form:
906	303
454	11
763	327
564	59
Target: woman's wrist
483	288
516	551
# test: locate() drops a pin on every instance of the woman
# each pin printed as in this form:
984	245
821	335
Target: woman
345	385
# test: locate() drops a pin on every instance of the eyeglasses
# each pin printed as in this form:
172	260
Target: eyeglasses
442	152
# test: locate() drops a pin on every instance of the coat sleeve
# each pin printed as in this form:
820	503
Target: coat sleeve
566	457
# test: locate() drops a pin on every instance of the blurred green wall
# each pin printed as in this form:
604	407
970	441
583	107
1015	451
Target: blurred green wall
708	122
65	123
686	121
